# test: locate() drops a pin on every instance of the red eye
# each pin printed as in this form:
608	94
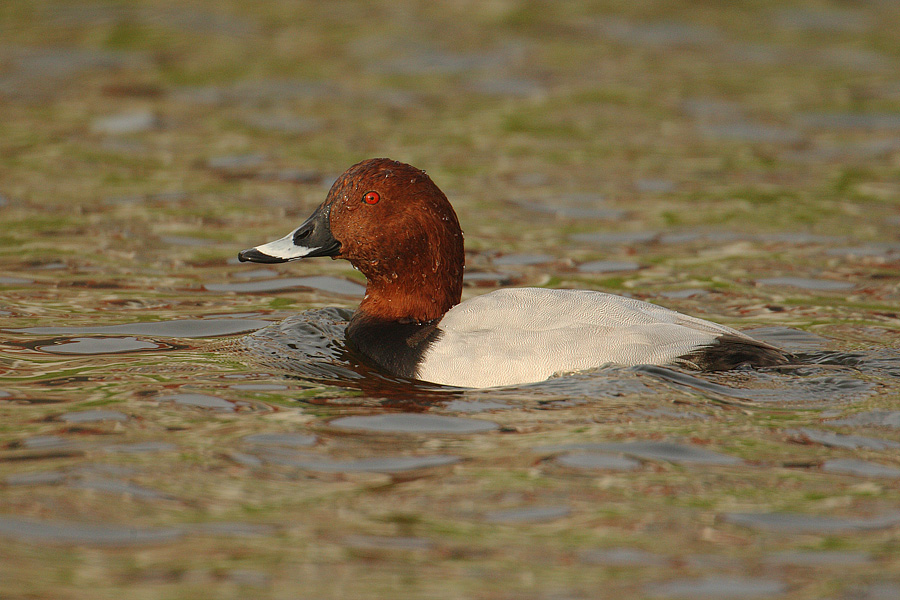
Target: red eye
372	198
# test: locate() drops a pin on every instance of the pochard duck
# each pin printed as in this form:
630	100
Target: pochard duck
396	227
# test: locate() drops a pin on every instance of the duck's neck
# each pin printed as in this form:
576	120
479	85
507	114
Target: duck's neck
420	277
419	297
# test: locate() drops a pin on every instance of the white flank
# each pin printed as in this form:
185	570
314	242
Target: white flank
521	335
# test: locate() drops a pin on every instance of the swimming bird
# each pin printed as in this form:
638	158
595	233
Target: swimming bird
398	229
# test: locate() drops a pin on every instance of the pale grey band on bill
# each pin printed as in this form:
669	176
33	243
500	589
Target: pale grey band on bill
284	248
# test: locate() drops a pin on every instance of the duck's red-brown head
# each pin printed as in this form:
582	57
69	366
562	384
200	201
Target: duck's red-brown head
394	225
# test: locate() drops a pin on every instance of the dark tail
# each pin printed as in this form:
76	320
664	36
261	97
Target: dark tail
731	351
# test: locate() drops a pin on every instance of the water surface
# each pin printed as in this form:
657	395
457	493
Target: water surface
175	424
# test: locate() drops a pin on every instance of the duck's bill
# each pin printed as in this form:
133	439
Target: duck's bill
313	238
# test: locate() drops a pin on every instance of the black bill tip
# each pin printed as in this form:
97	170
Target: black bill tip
254	255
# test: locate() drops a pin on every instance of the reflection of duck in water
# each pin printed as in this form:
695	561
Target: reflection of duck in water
394	225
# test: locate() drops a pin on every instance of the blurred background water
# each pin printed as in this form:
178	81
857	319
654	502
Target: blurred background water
176	425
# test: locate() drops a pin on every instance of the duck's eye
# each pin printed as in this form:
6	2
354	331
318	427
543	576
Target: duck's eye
371	198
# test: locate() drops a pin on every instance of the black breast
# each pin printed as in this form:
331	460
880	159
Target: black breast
392	345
